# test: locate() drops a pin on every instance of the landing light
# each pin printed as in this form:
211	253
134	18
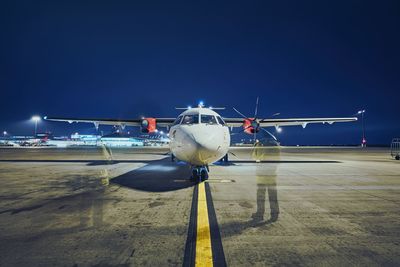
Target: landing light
279	129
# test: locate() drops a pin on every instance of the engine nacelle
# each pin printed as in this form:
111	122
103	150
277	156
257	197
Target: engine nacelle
251	126
149	125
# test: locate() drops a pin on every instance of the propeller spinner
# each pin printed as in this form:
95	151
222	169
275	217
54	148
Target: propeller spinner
252	125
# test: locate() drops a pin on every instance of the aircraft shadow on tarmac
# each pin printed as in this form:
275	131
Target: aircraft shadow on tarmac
89	162
109	162
157	176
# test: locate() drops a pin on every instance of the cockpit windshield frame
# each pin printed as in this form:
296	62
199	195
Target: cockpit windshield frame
178	120
220	120
190	119
208	119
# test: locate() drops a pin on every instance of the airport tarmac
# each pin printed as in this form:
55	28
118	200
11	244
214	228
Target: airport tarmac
134	207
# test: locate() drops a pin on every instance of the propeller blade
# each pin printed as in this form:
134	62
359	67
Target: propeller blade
273	136
256	111
241	114
232	154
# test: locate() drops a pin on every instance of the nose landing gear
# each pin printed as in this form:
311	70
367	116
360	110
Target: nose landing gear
199	173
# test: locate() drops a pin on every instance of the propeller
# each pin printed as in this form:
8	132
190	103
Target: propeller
255	122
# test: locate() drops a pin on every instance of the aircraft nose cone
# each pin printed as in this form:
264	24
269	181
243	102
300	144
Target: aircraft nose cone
203	145
207	142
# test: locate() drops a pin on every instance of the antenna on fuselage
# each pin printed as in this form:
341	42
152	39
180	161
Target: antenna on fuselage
217	108
201	105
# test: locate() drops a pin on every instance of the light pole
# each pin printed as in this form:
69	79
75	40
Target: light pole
36	119
363	141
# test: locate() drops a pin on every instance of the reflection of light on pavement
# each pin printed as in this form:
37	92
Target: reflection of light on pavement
160	168
104	174
104	177
107	153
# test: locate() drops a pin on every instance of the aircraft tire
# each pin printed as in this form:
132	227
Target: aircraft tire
203	174
195	175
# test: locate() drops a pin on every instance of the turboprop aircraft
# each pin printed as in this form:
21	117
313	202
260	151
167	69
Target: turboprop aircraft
200	136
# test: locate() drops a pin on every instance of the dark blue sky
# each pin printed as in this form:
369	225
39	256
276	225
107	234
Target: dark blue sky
124	59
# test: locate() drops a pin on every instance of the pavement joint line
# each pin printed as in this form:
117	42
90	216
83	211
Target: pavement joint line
220	181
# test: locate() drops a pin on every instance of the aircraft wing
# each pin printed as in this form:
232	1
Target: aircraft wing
238	122
163	122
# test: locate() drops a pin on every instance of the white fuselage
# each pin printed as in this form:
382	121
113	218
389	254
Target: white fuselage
199	141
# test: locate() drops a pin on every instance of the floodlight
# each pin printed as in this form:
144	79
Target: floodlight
36	118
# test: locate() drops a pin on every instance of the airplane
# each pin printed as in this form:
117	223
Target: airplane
200	136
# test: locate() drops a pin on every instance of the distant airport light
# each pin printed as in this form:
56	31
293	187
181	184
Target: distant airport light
201	104
161	132
189	107
5	133
279	129
363	138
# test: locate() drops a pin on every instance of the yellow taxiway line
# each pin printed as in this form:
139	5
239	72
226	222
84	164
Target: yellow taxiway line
203	240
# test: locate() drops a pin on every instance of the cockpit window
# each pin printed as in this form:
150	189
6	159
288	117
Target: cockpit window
191	119
220	120
208	119
178	120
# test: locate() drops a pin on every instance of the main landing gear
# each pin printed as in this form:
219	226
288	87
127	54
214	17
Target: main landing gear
200	173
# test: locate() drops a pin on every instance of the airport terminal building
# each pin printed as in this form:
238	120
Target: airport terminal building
110	140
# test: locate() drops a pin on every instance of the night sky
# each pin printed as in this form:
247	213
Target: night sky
125	59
